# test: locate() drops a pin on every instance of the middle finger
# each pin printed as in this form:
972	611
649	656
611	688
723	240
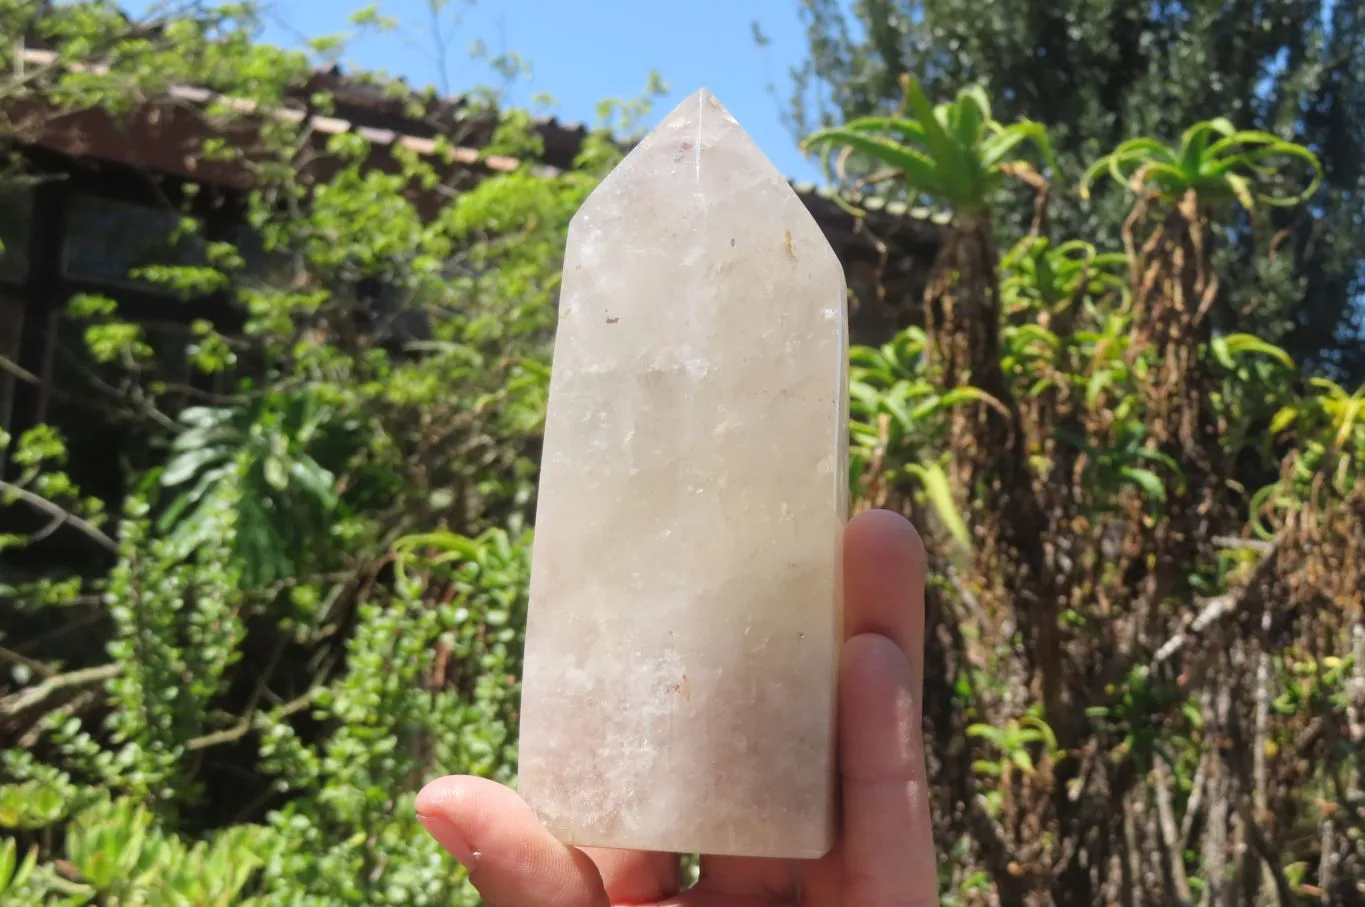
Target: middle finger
636	876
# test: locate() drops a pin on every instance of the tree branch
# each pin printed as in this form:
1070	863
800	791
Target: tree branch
60	516
243	727
1172	857
1231	542
1270	857
33	665
1214	610
30	697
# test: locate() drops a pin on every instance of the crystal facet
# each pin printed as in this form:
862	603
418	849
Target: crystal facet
686	609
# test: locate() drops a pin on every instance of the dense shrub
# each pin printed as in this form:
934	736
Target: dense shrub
1145	670
313	593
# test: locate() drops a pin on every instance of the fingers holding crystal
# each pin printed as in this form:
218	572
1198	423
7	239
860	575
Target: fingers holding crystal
887	838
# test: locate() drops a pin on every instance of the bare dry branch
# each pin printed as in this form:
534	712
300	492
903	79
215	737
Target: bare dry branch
60	516
241	728
36	695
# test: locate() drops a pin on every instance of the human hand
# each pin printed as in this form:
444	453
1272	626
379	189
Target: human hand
885	853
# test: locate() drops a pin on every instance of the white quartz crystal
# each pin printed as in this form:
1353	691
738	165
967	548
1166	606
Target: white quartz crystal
686	612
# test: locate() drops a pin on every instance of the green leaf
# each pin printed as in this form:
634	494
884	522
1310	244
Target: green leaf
897	409
1283	419
907	131
1260	502
1095	386
276	474
1238	344
1043	728
187	465
938	490
989	732
1192	714
9	857
1219	346
956	168
1148	481
1347	419
316	480
919	170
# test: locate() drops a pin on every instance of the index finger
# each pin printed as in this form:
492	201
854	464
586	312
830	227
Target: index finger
884	569
887	842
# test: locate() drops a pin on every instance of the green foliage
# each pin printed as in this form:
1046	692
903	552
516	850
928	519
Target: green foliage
310	597
954	153
121	856
1099	73
1013	742
13	872
258	458
1040	277
1216	161
1077	583
897	414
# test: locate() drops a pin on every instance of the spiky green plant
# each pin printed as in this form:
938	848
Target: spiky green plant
954	153
1215	160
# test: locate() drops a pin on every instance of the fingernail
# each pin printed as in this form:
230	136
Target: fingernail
449	837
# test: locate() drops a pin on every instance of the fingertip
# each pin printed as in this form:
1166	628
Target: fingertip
886	537
441	807
464	799
884	574
442	796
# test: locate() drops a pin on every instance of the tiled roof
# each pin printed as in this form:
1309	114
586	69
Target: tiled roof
380	115
875	204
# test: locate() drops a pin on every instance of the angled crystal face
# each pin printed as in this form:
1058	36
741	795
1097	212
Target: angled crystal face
685	616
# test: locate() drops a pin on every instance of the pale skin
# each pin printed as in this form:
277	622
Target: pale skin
885	852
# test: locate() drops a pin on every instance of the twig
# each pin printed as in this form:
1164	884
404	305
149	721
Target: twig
1217	705
1327	859
1000	861
35	695
1172	862
241	728
60	516
1131	863
36	667
18	371
1232	542
74	706
1193	804
1355	687
1355	726
1214	609
71	626
1270	857
1260	773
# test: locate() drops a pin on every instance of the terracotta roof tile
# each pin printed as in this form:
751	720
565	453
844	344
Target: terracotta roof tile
361	98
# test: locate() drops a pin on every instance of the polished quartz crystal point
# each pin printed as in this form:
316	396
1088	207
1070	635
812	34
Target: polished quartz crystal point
685	605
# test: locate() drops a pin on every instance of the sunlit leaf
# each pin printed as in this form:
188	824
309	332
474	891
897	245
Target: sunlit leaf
939	491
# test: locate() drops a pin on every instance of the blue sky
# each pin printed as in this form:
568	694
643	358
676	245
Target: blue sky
582	51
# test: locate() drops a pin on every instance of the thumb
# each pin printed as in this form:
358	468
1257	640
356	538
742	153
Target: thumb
512	860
